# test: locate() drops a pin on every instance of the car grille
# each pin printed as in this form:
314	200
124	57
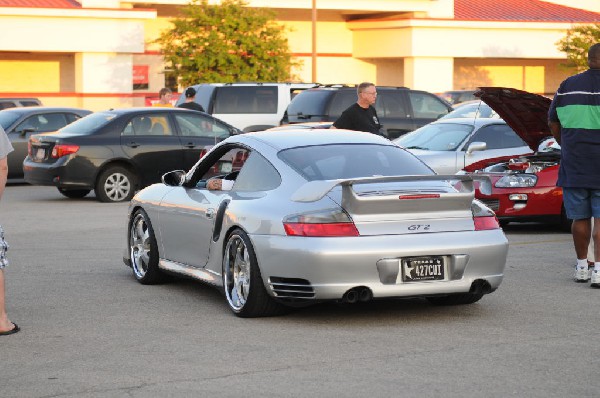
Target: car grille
493	204
291	288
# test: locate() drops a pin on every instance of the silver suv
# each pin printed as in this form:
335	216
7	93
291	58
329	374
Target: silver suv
6	103
247	106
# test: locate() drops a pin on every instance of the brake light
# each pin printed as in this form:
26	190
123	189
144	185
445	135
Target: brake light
483	218
326	223
61	150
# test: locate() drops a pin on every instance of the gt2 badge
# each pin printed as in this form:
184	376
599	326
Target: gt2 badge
419	227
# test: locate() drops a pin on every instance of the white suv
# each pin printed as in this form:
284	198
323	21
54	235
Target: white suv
247	106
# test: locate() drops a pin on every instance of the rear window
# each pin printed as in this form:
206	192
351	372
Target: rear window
309	102
90	123
8	118
250	99
341	161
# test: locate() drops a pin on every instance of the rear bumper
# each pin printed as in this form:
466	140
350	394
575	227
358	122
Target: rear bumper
66	172
332	266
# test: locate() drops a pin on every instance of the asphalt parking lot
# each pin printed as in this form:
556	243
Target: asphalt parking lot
90	330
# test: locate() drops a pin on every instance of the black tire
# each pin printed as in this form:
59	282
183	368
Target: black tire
115	184
244	289
456	299
74	193
143	250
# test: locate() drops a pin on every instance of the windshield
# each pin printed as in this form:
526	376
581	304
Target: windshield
7	119
472	110
436	137
342	161
88	124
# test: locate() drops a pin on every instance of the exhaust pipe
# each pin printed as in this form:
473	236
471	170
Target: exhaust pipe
350	297
480	286
359	293
365	295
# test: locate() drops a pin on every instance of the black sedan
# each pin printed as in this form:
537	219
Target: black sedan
21	122
119	151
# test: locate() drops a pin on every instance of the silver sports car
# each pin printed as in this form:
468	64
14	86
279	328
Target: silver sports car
312	216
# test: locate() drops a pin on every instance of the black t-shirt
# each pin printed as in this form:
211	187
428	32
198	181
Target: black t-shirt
360	119
191	105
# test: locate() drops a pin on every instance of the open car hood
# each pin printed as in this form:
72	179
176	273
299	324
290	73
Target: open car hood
526	113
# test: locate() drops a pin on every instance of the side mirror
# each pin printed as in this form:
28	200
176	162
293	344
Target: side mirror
26	130
174	178
476	146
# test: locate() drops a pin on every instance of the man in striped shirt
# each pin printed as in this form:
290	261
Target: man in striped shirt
574	120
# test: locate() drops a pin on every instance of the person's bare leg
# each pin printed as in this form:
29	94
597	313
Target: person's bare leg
582	231
596	239
5	323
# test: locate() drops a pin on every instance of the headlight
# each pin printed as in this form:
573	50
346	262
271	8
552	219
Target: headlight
517	181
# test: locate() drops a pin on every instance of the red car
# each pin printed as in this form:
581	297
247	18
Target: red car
523	188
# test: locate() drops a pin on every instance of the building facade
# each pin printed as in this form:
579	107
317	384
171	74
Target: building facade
99	54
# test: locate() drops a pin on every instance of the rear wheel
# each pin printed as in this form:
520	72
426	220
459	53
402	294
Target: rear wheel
74	193
244	289
455	299
115	184
143	250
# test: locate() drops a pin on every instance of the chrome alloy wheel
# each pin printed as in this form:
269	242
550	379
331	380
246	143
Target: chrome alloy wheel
117	186
236	270
140	242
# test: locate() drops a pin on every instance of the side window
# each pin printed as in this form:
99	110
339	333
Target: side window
43	123
341	100
71	117
245	99
391	104
426	106
198	126
232	161
257	175
497	136
148	125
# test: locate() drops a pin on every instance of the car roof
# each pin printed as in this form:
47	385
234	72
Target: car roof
303	137
35	109
147	109
476	122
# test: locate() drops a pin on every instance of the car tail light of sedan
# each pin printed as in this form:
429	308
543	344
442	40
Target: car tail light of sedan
326	223
483	218
61	150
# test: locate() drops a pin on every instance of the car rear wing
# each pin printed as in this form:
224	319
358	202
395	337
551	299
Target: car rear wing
315	190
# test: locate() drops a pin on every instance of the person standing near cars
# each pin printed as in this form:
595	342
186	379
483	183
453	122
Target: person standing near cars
190	103
574	120
164	98
6	326
361	116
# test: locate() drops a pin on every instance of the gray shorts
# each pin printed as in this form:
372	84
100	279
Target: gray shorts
3	249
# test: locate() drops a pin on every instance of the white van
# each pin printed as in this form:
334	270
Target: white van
247	106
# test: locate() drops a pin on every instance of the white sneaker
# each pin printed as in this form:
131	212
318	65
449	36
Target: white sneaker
595	279
583	275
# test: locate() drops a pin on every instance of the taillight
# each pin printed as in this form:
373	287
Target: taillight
61	150
483	218
326	223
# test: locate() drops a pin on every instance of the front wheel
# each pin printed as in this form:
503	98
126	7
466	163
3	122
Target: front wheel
244	289
115	184
143	250
74	193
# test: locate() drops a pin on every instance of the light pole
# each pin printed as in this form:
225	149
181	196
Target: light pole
314	41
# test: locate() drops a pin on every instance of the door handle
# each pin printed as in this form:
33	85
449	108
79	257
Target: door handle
133	144
210	213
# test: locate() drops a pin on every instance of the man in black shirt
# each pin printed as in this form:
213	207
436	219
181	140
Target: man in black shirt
190	96
361	116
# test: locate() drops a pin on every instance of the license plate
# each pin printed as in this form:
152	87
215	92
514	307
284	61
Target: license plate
40	154
426	268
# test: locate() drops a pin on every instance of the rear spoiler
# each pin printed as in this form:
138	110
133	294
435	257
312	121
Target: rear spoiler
315	190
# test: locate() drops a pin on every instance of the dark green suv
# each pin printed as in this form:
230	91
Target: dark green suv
400	109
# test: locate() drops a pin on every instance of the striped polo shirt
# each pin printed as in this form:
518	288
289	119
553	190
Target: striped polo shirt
576	105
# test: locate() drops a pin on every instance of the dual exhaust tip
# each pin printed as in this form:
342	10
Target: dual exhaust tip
356	294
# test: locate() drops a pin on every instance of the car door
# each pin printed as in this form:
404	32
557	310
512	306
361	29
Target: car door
198	132
500	140
394	112
32	124
187	223
150	142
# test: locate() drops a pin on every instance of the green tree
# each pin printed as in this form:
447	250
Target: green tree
226	43
576	44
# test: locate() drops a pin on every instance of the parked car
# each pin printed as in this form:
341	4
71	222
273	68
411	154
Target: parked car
247	106
524	187
471	109
449	145
118	151
316	215
400	110
457	96
6	103
21	122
